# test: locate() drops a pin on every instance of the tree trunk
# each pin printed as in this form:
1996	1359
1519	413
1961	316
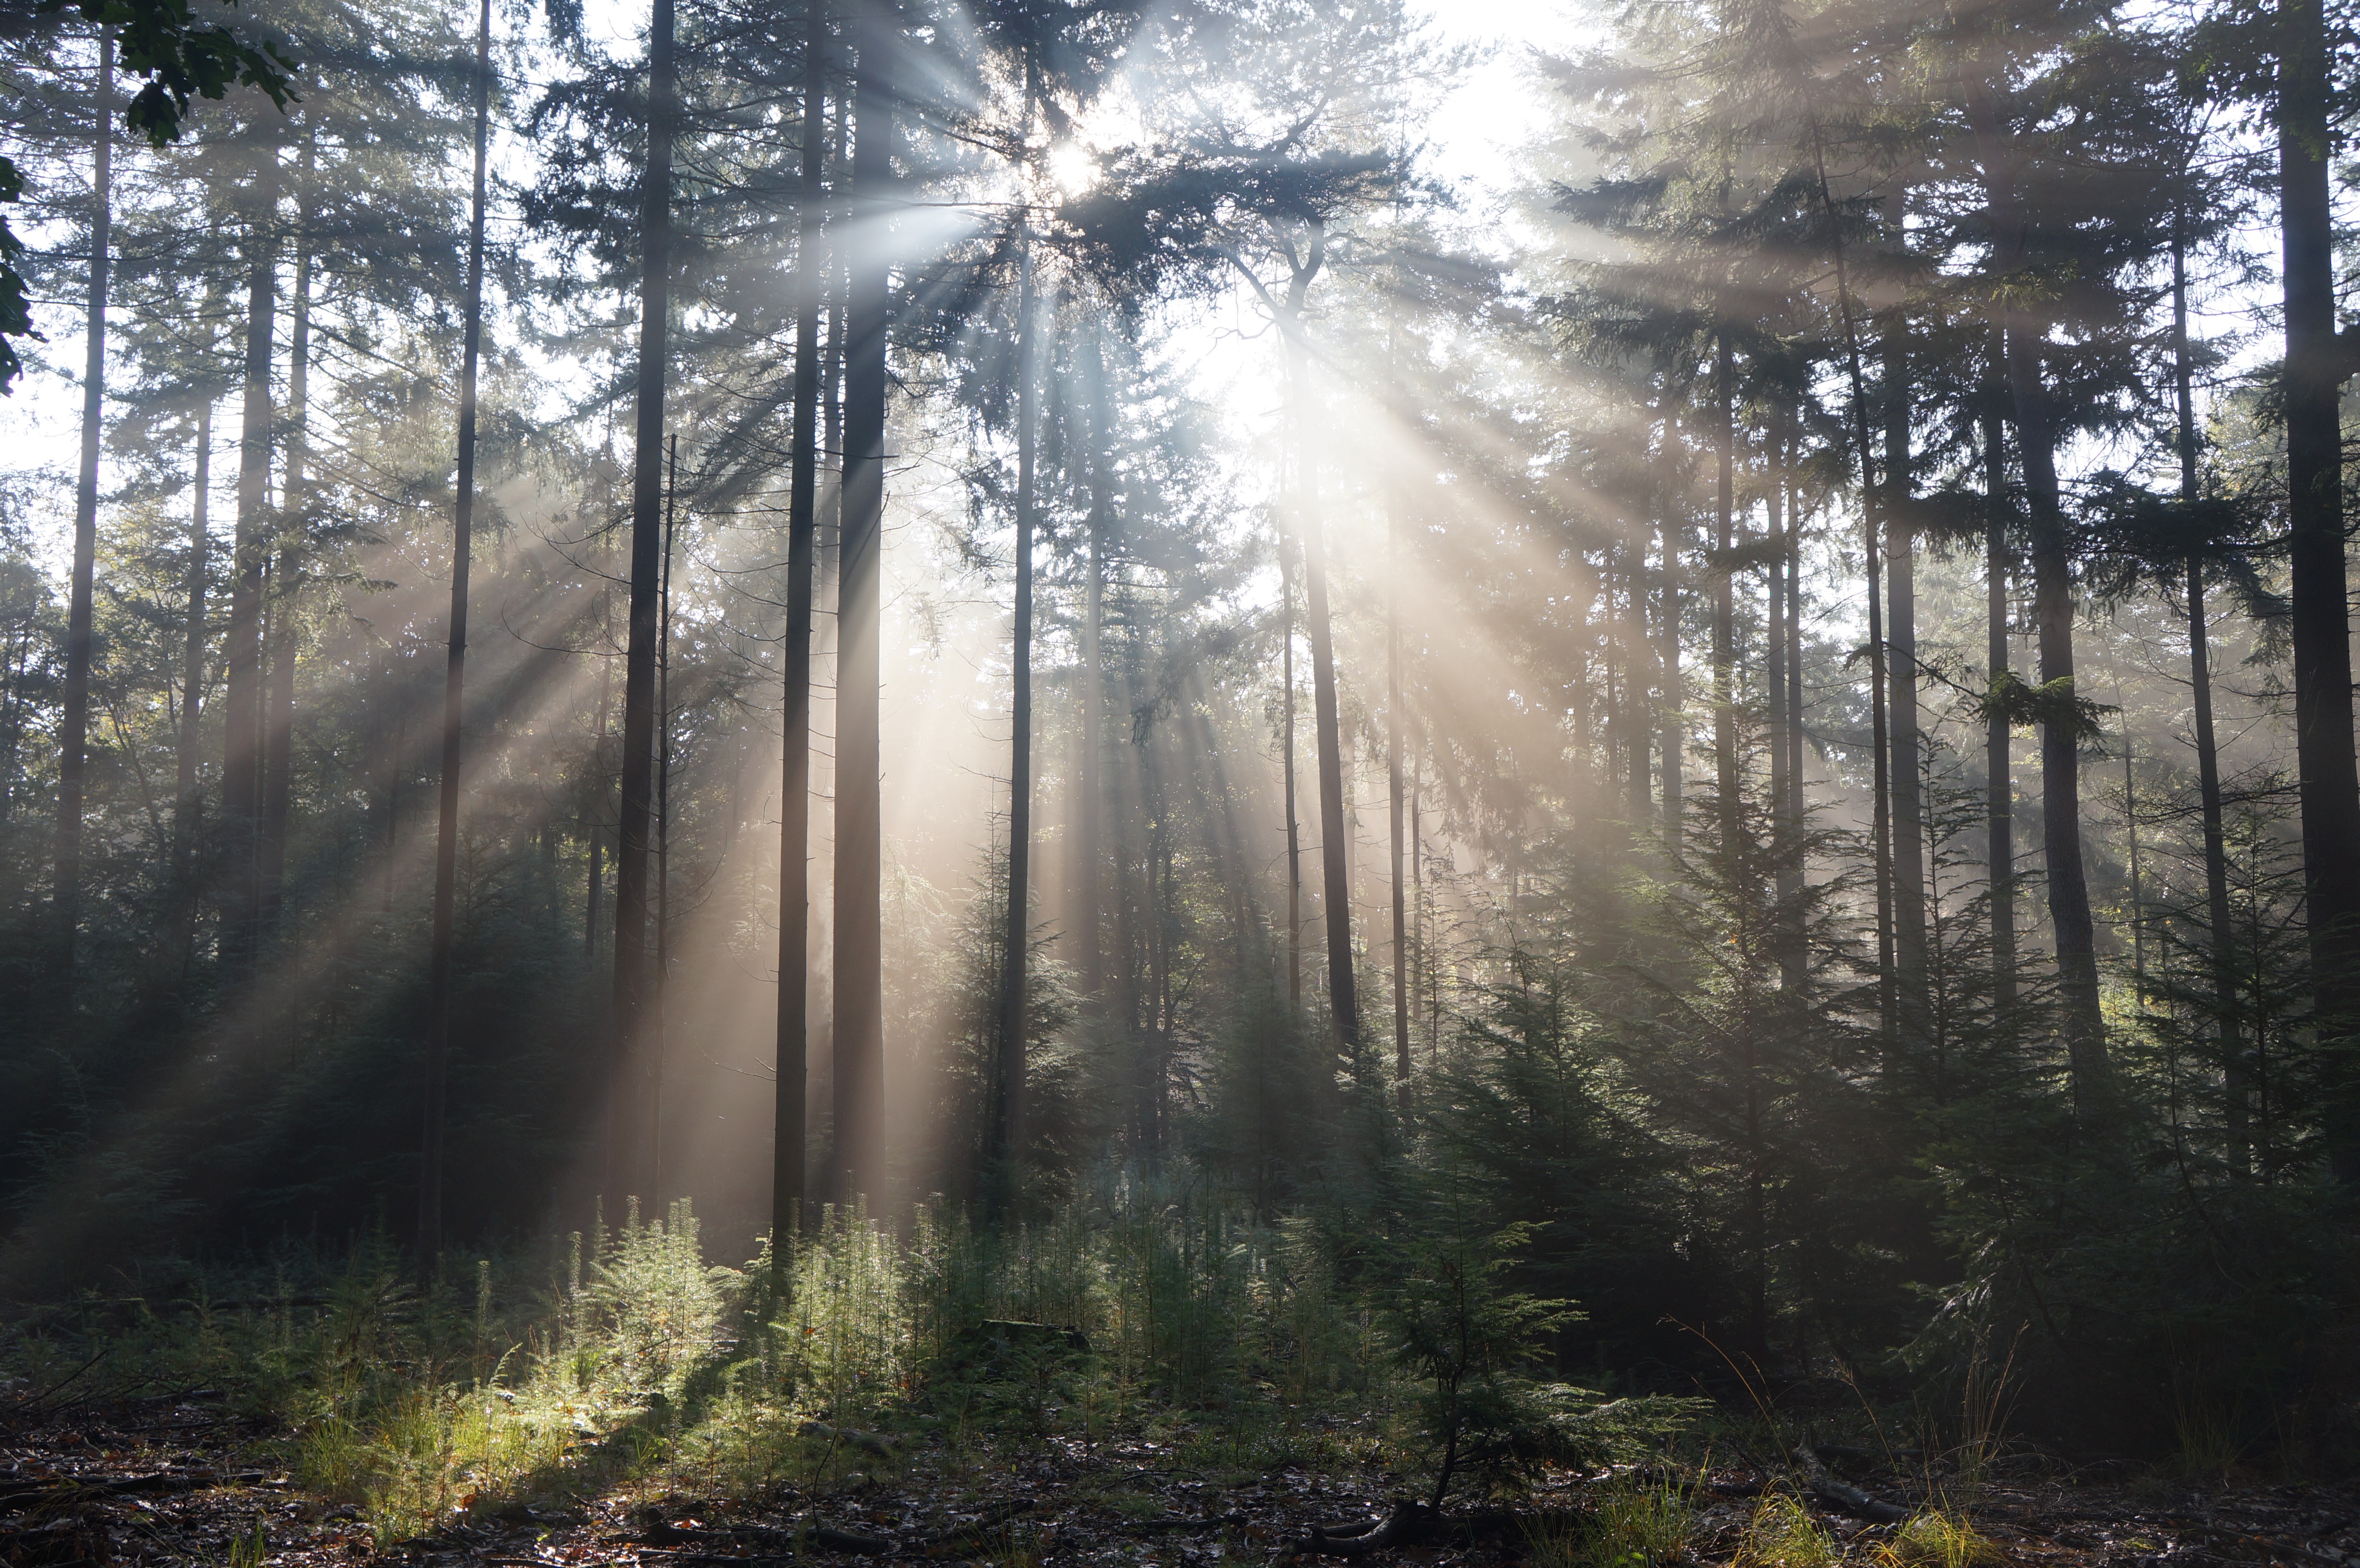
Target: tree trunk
446	837
1908	831
278	688
792	1116
1786	825
2061	781
2000	817
2235	1088
2314	375
596	889
1333	827
1089	815
1671	715
1287	778
1402	1070
188	808
73	725
860	980
1728	806
627	1087
241	715
1007	1151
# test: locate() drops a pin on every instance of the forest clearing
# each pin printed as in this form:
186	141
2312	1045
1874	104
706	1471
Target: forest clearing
1032	780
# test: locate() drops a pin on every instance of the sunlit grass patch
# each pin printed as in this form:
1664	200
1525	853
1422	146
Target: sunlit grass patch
1783	1534
1940	1537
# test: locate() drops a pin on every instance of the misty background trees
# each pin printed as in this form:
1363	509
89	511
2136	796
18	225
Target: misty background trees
1774	711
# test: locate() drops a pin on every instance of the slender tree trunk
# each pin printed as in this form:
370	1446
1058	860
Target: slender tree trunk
859	1000
1908	829
188	805
1287	777
1784	722
241	715
454	686
659	1042
1633	644
73	725
1007	1151
2000	818
1671	693
1089	815
2236	1089
279	689
1871	510
1727	807
1393	719
2061	781
1794	590
627	1088
1333	827
595	894
788	1156
2314	377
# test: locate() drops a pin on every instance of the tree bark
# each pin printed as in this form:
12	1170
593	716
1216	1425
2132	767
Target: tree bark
627	1087
1393	717
1286	776
1727	808
73	724
2235	1085
1090	813
859	999
188	808
454	681
2000	816
2061	779
242	696
1007	1150
1909	834
791	1112
278	687
2328	783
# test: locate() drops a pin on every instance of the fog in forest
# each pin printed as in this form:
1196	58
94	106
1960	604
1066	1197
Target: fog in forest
1701	652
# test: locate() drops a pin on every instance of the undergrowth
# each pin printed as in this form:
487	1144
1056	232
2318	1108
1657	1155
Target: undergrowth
623	1360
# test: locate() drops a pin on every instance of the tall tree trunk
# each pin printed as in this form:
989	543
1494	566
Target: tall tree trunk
1633	642
1334	828
659	1042
1286	776
2328	782
1727	807
2000	784
627	1089
242	696
2235	1087
1671	693
73	726
1007	1151
859	979
1393	717
1786	827
594	894
454	683
278	687
788	1156
1909	955
1871	510
2052	591
1089	812
1795	815
188	805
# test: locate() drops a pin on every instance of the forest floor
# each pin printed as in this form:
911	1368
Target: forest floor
181	1479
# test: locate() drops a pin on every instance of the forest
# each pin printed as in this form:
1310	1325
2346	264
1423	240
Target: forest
1037	780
